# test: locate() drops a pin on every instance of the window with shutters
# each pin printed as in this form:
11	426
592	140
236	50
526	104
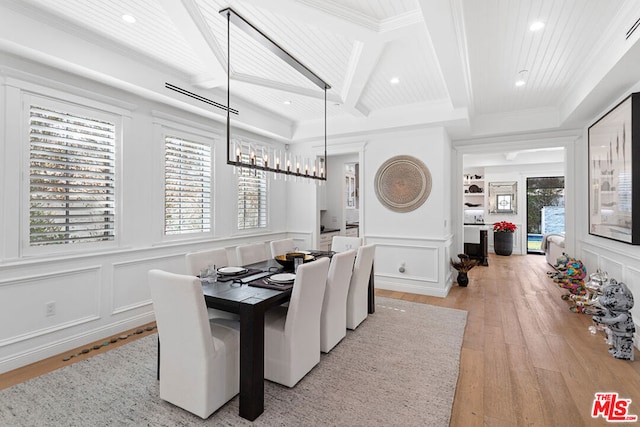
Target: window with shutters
72	163
252	194
187	189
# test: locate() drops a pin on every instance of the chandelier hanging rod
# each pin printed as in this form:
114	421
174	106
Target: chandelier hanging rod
272	46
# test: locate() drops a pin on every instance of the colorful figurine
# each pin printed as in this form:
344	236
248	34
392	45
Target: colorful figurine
570	274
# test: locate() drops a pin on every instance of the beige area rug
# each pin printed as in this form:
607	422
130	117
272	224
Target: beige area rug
398	368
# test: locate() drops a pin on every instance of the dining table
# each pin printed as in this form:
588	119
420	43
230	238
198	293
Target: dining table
250	296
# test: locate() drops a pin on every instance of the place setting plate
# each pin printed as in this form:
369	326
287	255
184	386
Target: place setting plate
231	271
282	278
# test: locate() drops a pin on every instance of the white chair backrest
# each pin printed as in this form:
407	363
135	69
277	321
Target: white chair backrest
252	253
305	306
334	306
181	317
281	247
344	243
357	300
196	261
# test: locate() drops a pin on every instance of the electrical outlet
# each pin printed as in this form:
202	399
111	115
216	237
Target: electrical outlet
50	308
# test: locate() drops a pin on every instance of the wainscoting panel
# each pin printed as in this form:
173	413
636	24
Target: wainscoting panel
130	282
590	260
614	268
411	265
23	305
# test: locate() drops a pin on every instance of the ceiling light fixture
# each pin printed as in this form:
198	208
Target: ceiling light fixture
394	80
536	26
522	78
130	19
272	160
287	102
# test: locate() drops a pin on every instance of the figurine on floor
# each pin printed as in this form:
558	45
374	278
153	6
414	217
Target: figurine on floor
593	287
616	301
570	277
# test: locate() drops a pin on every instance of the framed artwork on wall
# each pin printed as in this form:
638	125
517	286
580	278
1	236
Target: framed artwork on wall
614	173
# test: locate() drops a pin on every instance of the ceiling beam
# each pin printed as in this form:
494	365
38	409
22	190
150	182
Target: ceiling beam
284	87
362	62
446	31
188	19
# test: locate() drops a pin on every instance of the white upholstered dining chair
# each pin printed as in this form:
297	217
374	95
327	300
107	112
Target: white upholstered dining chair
251	253
292	334
344	243
333	318
357	299
281	247
199	357
196	261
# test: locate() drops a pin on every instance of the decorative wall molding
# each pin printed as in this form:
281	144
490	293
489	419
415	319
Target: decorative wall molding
52	348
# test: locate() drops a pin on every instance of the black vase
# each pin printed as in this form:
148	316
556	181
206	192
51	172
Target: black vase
502	243
463	278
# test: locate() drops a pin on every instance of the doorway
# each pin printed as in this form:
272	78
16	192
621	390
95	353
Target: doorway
545	210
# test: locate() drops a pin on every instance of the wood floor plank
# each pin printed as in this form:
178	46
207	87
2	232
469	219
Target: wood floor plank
497	377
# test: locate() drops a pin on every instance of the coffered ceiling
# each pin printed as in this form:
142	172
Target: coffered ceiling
456	61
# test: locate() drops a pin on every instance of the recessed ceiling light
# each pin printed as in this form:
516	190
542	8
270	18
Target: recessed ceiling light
538	25
128	18
394	80
522	78
287	102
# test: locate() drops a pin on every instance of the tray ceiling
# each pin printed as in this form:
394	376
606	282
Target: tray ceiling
456	61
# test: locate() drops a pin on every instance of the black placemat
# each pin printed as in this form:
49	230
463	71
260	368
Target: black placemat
267	285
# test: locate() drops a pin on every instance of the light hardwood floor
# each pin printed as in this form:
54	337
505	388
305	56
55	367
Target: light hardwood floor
526	359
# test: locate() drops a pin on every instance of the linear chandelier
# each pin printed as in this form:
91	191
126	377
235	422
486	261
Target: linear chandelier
276	161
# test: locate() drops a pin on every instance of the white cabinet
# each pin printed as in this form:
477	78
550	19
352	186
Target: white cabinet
325	240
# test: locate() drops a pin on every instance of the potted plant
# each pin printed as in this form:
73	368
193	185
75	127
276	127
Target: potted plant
463	266
503	237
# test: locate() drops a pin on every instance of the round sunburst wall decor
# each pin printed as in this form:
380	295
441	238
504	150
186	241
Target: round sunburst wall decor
403	183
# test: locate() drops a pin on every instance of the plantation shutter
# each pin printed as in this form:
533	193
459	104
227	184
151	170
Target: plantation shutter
252	196
187	186
72	178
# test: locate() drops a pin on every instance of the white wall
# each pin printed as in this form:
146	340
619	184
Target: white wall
419	239
620	260
103	291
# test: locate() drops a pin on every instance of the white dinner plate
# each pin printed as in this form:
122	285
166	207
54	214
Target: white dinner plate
232	270
283	278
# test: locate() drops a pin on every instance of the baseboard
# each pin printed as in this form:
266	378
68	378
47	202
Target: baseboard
54	348
420	289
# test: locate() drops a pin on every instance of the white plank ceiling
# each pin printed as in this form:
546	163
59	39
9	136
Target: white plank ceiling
457	58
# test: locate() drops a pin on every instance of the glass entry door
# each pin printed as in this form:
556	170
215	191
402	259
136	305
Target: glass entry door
545	210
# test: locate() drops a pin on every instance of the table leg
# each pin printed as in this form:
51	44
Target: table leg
371	297
251	361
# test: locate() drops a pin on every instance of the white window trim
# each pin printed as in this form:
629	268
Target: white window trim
166	128
79	106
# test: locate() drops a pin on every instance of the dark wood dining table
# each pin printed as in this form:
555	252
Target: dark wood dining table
251	303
